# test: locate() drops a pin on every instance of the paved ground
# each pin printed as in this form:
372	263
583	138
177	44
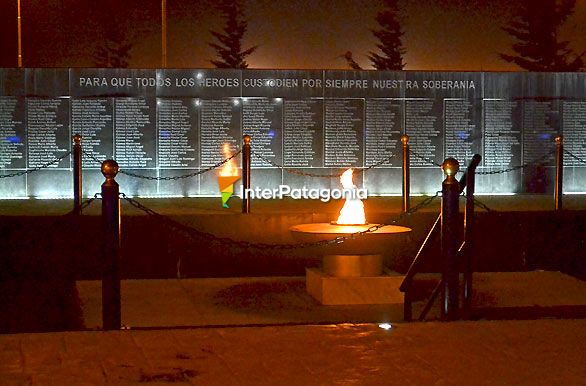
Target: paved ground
522	352
284	300
540	352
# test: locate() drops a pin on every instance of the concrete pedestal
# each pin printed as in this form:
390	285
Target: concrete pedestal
354	276
330	290
353	265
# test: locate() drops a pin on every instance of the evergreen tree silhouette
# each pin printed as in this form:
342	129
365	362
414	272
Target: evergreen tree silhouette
389	36
535	26
229	46
113	51
350	60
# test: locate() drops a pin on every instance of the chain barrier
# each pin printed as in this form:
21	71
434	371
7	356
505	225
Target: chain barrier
527	164
44	166
172	178
429	161
477	202
191	232
67	223
482	205
574	156
83	205
89	201
306	174
491	172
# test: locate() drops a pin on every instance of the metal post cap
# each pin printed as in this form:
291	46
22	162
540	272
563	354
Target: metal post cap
246	139
77	139
110	168
559	139
450	166
405	139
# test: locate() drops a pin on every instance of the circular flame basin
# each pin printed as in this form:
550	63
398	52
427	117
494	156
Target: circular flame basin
376	242
362	256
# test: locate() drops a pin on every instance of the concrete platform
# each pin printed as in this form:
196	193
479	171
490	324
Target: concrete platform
528	295
224	302
331	290
284	300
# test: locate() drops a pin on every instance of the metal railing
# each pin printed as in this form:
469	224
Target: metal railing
447	223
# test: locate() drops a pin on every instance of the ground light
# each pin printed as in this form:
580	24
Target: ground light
385	326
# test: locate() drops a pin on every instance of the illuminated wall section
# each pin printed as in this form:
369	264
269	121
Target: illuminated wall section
173	122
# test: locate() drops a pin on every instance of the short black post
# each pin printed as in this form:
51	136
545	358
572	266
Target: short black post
246	174
406	181
449	243
469	232
111	248
559	172
77	182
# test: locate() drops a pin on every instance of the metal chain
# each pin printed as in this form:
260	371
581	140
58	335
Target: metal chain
376	164
490	172
482	205
88	202
574	156
245	244
306	174
84	205
294	171
44	166
534	162
202	171
477	202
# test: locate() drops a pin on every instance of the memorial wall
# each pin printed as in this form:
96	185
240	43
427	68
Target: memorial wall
172	122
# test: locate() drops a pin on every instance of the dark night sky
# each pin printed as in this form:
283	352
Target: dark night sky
439	35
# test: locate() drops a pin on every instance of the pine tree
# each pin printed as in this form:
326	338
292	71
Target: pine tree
113	51
350	60
535	26
389	36
229	46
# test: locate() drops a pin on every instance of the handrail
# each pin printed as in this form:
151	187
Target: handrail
466	182
476	158
468	243
412	271
431	300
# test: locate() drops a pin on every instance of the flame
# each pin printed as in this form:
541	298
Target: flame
229	168
353	210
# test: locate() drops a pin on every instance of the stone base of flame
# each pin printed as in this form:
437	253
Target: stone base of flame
353	265
338	283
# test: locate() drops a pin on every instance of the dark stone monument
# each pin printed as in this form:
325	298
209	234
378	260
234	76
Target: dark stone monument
172	122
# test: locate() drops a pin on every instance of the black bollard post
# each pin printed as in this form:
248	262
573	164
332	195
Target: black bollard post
449	244
77	182
406	171
245	174
469	231
111	318
559	172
